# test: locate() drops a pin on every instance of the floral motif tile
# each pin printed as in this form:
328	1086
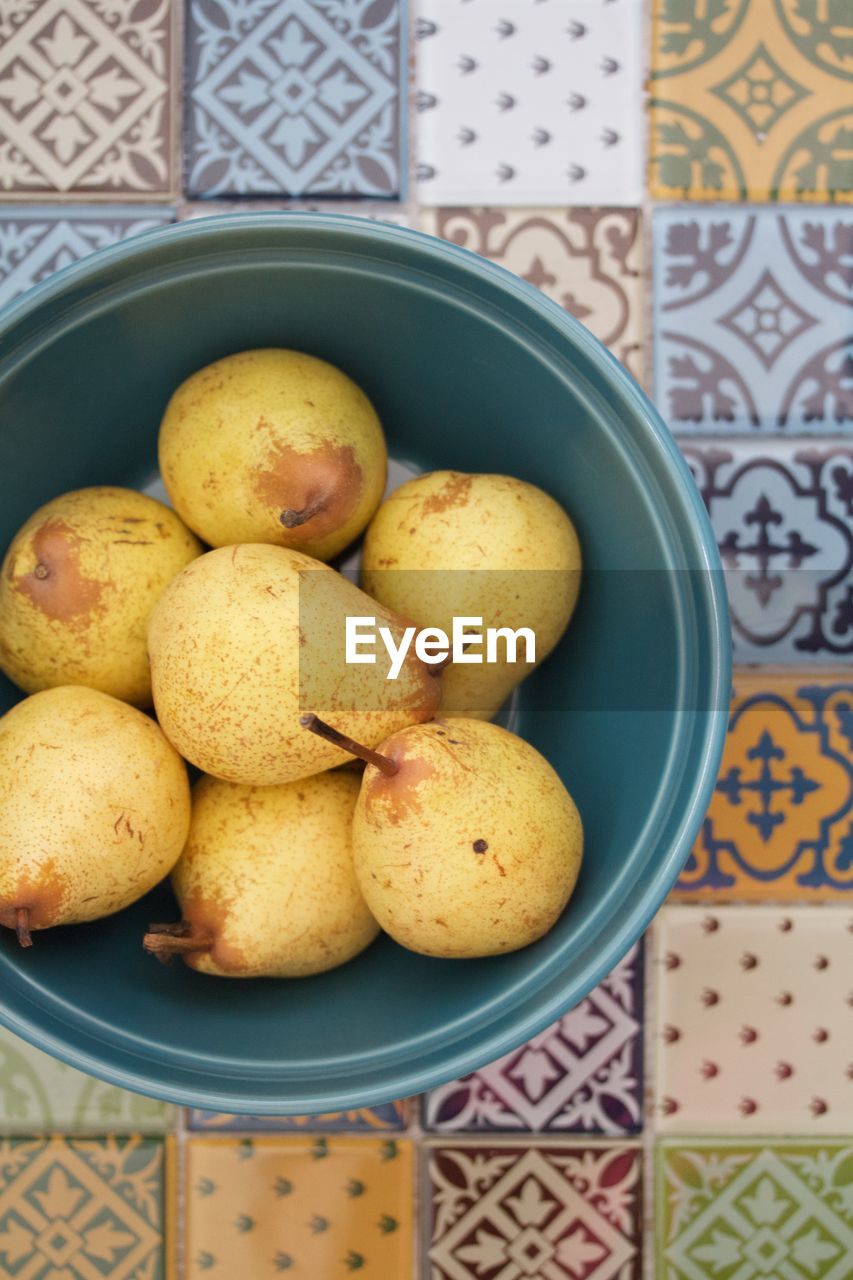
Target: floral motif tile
754	320
393	1115
82	1208
588	260
528	102
584	1074
753	1019
86	98
380	211
293	97
751	100
522	1212
754	1211
321	1206
780	822
40	1094
782	512
35	242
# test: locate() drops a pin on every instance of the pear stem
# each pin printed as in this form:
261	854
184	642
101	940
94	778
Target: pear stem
167	940
383	763
22	926
292	518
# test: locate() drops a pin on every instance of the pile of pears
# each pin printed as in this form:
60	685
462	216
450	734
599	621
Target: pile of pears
332	802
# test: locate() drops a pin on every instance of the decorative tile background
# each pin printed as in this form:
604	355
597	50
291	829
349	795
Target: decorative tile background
751	100
754	320
753	1020
393	1115
780	823
529	102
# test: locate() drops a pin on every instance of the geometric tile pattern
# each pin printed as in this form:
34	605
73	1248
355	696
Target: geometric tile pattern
35	242
560	1213
588	260
754	1211
782	512
753	1020
529	103
780	822
85	105
321	1207
751	101
81	1209
294	97
583	1074
392	1115
754	320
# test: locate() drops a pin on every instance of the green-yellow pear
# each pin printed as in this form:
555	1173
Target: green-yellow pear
94	808
244	639
448	545
273	446
466	842
266	883
78	585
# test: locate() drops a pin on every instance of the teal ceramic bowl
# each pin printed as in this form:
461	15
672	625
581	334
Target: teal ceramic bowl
470	368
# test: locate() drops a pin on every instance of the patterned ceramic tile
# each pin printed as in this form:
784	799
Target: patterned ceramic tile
740	1211
35	242
753	1020
393	1115
751	100
321	1207
294	97
584	1074
382	211
780	823
85	101
81	1209
588	260
39	1093
525	1212
754	320
783	517
528	102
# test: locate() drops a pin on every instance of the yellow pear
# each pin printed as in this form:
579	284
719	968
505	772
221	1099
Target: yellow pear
273	446
246	638
78	585
466	842
448	545
94	808
266	884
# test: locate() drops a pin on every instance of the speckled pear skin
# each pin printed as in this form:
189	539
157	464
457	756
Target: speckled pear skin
268	872
233	668
446	522
262	432
94	807
77	587
473	847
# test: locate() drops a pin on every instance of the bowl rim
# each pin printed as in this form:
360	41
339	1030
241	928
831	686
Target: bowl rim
518	1024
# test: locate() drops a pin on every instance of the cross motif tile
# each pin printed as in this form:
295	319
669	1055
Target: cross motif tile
753	1019
85	98
754	1211
519	1212
294	97
588	260
529	103
392	1115
35	242
753	325
583	1074
780	823
750	101
82	1207
782	513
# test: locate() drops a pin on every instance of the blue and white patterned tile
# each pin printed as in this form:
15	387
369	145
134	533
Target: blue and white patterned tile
529	103
581	1075
782	513
294	98
376	211
754	320
35	242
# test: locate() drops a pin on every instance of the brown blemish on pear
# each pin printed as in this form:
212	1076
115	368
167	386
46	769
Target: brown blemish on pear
311	494
199	934
41	895
454	492
55	584
398	795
